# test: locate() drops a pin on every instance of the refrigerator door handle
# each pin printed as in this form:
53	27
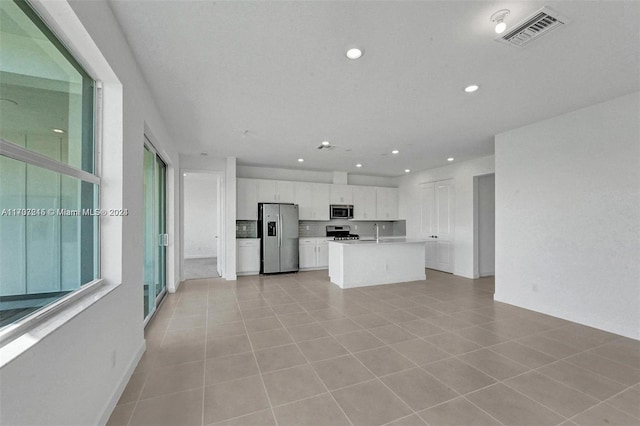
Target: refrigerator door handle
279	231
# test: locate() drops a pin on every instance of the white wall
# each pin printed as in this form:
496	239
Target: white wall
463	175
568	216
486	225
300	175
200	215
75	375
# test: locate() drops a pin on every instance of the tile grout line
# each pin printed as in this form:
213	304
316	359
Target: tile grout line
138	399
314	372
255	359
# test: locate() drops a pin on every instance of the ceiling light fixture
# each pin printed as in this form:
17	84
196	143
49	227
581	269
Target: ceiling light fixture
354	53
407	170
57	130
325	143
471	88
450	159
498	19
395	151
300	160
358	165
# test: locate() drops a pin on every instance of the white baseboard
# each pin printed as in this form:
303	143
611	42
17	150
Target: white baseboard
111	404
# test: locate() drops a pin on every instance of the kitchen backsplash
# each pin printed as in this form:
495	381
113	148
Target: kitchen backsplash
249	228
246	229
364	229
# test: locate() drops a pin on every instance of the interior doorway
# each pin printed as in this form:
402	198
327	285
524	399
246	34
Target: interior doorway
485	206
202	225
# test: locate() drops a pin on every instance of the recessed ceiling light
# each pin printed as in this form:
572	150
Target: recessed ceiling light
407	170
57	130
498	19
358	165
184	174
472	88
450	159
300	160
354	53
395	151
325	143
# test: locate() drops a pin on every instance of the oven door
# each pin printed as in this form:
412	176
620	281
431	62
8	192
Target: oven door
341	211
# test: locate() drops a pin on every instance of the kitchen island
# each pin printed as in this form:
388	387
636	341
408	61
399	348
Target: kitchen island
360	263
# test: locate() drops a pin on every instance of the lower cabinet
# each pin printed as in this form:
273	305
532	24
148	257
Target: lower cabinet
314	253
248	256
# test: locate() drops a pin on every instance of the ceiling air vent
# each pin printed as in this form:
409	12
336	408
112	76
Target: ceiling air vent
540	23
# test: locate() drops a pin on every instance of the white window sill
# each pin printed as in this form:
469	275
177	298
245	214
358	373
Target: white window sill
19	337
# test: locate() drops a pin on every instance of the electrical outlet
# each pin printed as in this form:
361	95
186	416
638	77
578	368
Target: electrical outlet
356	226
384	226
307	227
244	227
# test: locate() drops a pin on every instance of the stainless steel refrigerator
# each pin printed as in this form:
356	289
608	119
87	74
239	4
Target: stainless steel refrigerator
278	229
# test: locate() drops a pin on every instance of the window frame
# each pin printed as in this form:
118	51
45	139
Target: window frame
70	303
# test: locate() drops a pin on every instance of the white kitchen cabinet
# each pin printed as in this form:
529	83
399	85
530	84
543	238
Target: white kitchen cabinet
312	200
387	203
437	223
341	194
273	191
313	253
247	199
322	254
307	253
364	203
248	256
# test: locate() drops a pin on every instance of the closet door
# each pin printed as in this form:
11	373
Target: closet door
437	223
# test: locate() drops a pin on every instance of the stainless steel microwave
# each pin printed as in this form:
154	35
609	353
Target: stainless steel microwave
341	211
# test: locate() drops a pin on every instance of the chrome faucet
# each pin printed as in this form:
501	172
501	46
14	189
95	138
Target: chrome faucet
375	225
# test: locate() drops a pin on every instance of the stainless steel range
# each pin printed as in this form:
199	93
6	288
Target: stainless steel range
341	233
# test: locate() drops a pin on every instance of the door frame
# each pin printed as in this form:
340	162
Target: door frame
167	255
476	224
221	198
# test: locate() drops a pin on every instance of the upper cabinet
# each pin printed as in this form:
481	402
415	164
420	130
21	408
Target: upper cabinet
247	199
364	203
387	203
312	200
274	191
341	194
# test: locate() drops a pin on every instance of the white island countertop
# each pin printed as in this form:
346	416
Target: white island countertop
359	263
382	240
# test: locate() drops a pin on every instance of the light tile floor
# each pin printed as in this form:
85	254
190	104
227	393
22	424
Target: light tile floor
295	350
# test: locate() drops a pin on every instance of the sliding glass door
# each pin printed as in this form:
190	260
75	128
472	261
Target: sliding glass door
155	236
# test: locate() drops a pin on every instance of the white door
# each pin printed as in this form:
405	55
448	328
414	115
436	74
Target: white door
323	254
285	192
431	255
444	224
436	221
267	191
307	254
247	199
304	200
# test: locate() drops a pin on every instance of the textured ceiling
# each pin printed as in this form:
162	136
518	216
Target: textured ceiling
268	81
